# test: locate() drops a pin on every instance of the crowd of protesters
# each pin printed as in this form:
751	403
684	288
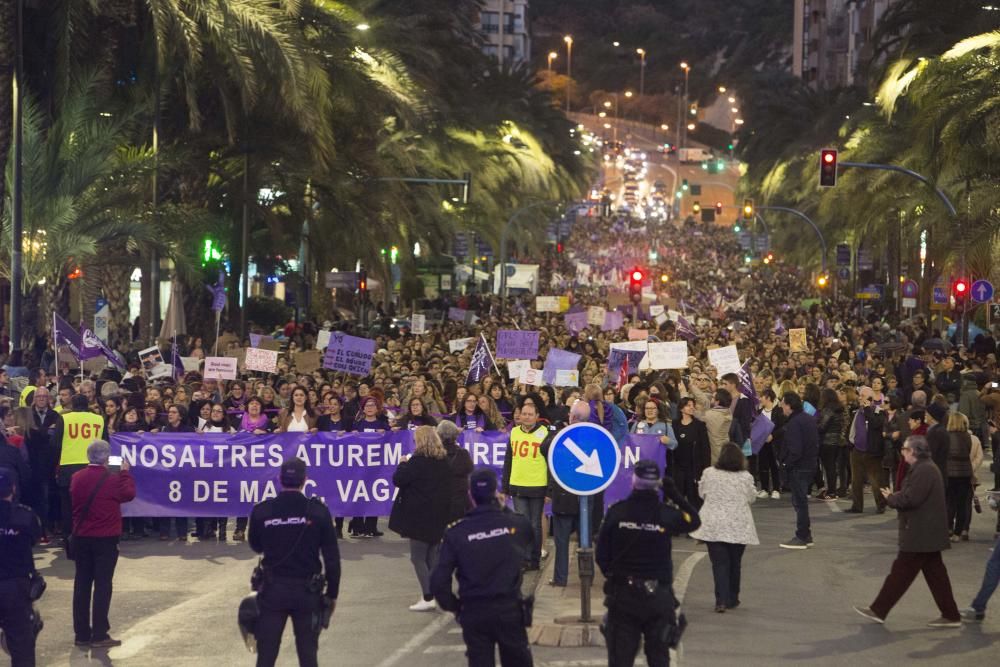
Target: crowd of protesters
866	381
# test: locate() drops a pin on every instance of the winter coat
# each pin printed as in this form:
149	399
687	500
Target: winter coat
923	515
970	405
718	421
831	425
420	512
801	442
726	515
959	454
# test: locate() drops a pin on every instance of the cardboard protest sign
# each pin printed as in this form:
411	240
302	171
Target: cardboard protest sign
308	361
516	368
456	314
559	360
638	334
613	320
322	339
566	378
595	316
221	368
671	354
459	344
575	322
532	376
264	361
418	323
350	354
516	344
797	340
547	304
191	364
725	359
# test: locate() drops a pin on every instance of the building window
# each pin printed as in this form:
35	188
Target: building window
490	22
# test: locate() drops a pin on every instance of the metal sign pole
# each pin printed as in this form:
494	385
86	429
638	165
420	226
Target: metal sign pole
585	560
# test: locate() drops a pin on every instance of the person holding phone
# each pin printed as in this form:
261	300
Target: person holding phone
97	492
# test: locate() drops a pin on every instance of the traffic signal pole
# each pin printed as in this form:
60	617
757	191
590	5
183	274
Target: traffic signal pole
803	216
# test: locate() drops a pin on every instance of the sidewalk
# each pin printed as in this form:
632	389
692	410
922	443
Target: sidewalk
557	608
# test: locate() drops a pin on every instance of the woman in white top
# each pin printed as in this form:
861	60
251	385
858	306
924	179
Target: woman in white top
217	420
726	521
299	417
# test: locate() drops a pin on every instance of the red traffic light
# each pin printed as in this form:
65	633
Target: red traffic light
960	288
828	167
636	276
718	208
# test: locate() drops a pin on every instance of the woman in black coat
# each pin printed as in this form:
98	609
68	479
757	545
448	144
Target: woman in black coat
420	512
460	462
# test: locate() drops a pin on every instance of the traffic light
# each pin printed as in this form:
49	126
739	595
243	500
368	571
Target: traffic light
822	281
960	290
827	168
635	285
737	228
748	209
362	282
664	278
718	208
696	208
210	251
684	185
768	258
559	247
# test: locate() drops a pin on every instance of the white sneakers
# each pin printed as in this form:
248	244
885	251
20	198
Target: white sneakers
762	494
424	605
775	495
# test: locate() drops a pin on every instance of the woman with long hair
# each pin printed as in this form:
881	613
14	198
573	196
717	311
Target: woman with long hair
471	417
959	482
253	419
492	413
727	525
416	416
112	417
370	421
299	417
831	431
420	512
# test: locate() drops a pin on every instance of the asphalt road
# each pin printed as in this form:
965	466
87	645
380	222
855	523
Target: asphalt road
175	604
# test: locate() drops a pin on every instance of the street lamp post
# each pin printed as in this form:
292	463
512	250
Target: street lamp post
642	71
569	67
16	227
552	56
680	129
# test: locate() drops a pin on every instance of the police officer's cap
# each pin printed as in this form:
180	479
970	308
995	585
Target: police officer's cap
482	484
647	470
293	472
6	484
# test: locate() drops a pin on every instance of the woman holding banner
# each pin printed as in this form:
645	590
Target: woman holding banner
471	417
299	417
415	417
371	422
254	420
334	418
420	511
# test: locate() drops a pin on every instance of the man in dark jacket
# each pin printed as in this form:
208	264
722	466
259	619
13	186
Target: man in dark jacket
937	436
866	456
923	535
14	462
800	447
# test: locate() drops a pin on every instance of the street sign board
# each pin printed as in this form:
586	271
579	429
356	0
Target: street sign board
584	458
342	280
910	289
844	273
870	292
994	312
982	291
909	303
940	295
843	254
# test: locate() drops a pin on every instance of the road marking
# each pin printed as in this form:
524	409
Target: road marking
639	662
681	581
454	631
416	640
451	648
834	507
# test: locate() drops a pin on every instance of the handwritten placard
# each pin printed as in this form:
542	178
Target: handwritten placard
350	354
418	323
638	334
459	344
670	354
517	344
532	376
547	304
263	361
595	316
516	368
221	368
725	359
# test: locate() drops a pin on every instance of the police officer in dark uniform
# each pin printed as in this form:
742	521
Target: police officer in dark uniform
633	552
20	530
292	531
486	548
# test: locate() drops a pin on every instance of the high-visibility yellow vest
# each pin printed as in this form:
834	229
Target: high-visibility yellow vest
22	401
79	430
528	467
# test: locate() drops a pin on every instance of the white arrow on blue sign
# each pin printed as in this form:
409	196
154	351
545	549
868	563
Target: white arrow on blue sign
584	458
982	291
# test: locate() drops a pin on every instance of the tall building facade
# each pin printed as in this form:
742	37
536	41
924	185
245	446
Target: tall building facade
832	39
504	24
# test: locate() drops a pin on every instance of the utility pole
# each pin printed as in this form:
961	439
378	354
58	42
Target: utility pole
17	197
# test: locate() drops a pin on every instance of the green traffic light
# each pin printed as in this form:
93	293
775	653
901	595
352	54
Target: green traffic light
736	228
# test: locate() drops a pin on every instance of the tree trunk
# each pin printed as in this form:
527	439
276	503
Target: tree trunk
8	17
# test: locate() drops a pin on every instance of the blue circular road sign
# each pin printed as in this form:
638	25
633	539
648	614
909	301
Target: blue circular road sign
982	291
584	458
911	289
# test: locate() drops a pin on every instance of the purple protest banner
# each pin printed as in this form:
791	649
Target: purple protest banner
613	320
216	474
576	322
760	428
456	314
517	344
558	360
350	354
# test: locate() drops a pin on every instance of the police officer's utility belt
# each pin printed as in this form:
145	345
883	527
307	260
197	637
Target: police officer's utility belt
638	583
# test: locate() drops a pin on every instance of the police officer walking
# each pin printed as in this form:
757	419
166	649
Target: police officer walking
485	550
292	531
20	530
633	552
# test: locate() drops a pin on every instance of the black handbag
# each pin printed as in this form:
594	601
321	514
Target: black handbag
70	551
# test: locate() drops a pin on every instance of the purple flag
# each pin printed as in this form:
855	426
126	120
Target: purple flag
685	330
64	334
218	291
617	357
746	384
779	327
91	346
576	322
456	314
558	360
480	366
516	344
760	428
613	319
175	360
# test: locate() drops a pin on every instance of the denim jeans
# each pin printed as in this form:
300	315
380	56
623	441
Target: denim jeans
532	508
990	579
799	481
563	526
726	570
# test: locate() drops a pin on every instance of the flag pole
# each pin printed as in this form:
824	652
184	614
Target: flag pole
495	367
218	318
